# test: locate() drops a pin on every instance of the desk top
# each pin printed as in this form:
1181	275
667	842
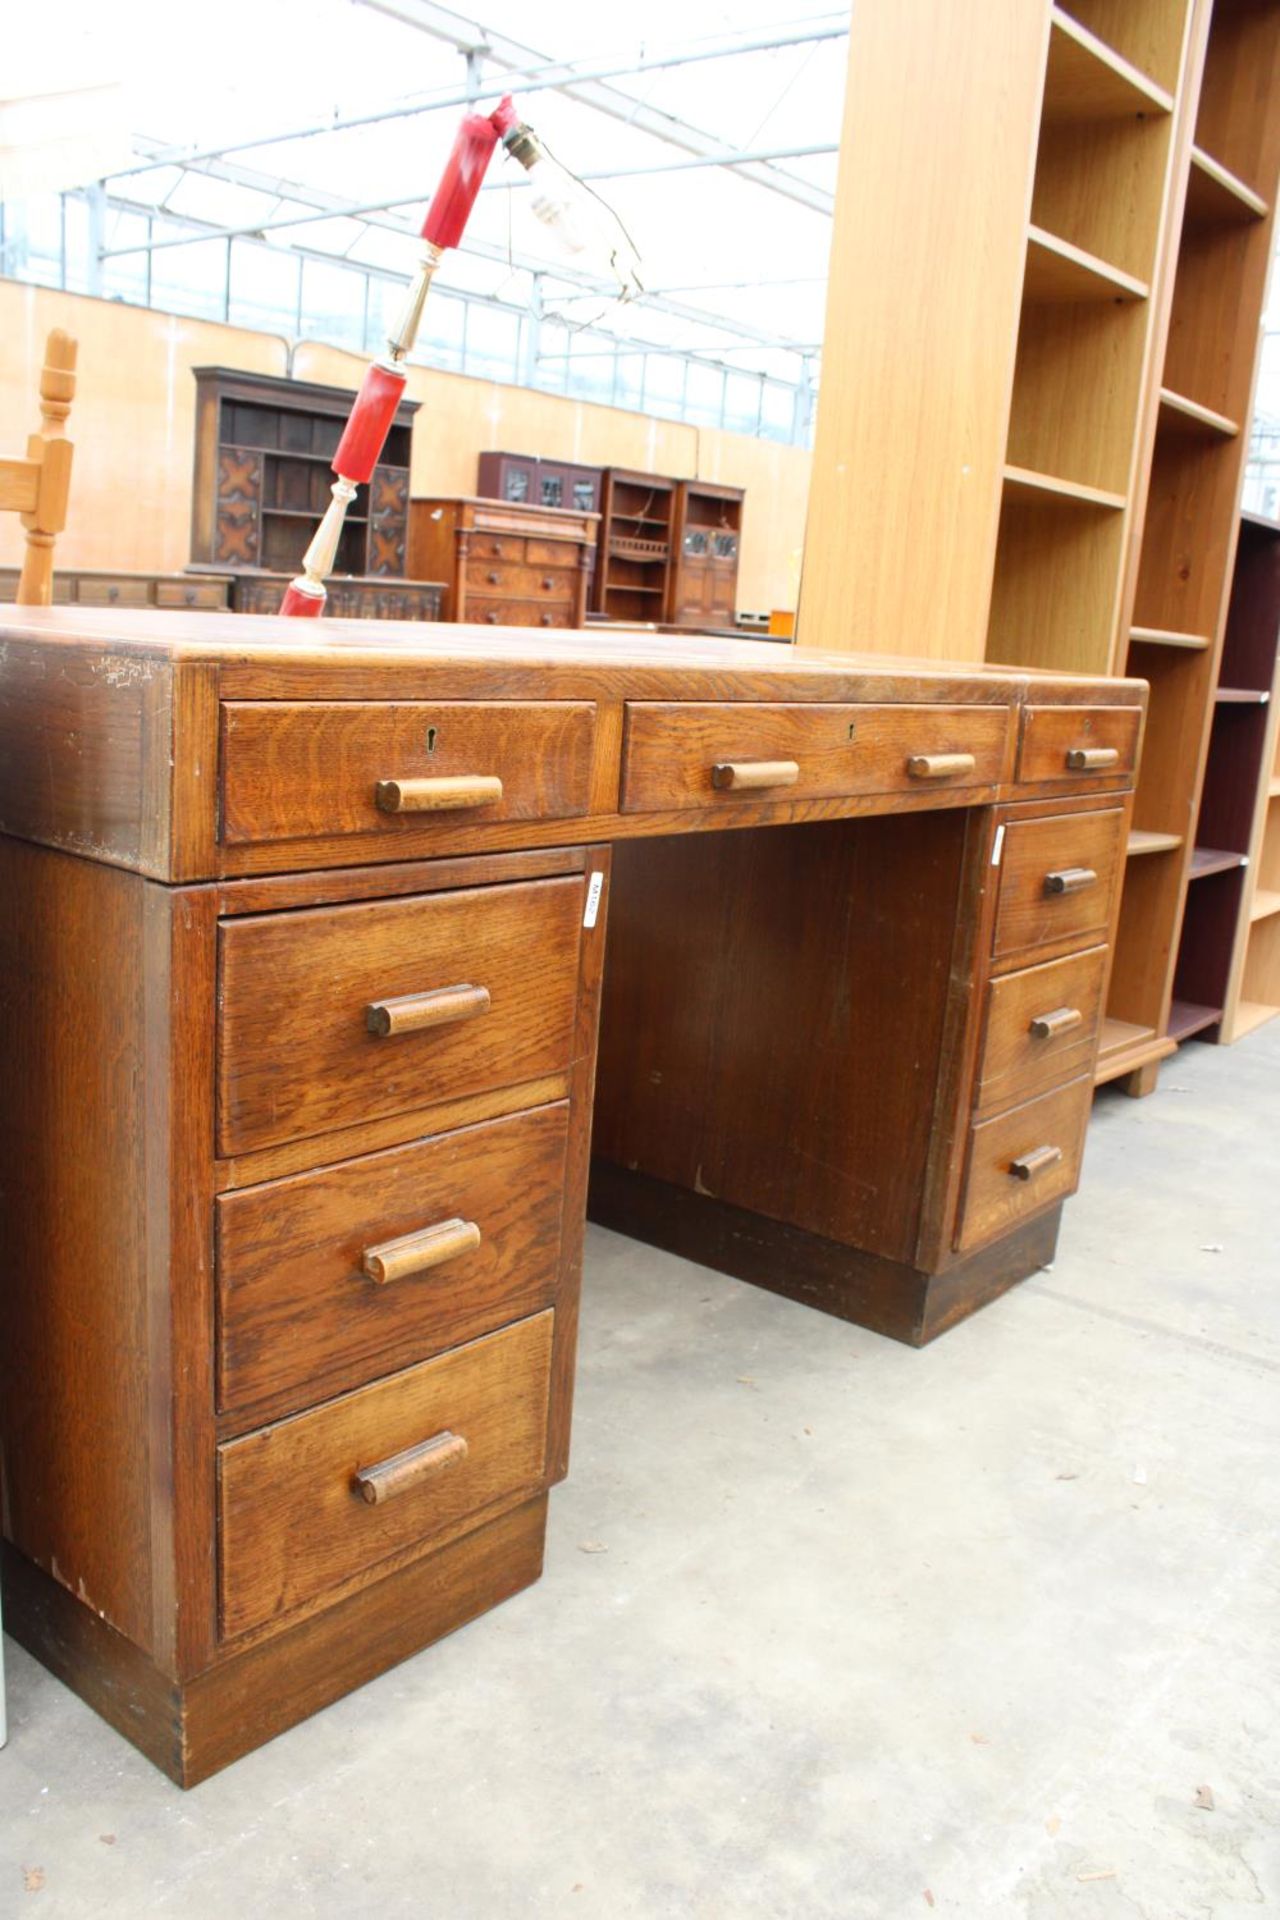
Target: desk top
621	662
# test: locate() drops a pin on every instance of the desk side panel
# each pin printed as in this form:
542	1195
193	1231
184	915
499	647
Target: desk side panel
75	1330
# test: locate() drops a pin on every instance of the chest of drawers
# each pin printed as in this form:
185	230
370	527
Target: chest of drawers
504	564
301	957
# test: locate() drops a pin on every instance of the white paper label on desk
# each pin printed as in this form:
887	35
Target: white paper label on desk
594	890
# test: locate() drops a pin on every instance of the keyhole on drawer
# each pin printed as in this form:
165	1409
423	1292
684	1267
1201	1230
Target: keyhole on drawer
431	739
853	728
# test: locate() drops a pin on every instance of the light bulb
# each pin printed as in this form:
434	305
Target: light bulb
585	225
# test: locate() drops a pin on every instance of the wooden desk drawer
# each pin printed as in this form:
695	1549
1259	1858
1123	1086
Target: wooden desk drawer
1022	1161
294	1521
1041	1027
299	1294
112	593
298	769
296	1053
1079	743
672	753
483	610
192	593
1057	878
520	583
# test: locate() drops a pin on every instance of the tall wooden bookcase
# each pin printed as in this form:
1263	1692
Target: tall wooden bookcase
1044	470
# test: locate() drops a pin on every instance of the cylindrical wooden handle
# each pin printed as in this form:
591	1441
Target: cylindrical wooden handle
418	1252
439	794
745	775
404	1471
1090	759
411	1012
1069	880
940	766
1046	1026
1028	1165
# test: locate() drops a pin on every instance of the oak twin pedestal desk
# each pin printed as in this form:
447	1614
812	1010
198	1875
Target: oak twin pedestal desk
301	959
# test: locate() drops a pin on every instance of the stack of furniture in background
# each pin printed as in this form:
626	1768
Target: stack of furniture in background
1078	387
668	549
262	483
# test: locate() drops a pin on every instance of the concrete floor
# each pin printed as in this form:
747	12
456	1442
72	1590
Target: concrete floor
828	1628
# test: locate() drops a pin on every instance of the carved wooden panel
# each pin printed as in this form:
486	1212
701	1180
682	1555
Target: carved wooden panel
238	517
388	519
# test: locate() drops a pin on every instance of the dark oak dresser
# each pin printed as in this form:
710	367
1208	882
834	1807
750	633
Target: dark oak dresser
301	953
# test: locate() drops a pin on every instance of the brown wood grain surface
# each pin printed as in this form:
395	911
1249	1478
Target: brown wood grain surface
293	770
298	1319
1029	915
1049	734
295	1054
670	749
1018	1062
291	1524
994	1199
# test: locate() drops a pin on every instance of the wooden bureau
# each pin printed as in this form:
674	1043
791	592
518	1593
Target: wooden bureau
503	564
301	956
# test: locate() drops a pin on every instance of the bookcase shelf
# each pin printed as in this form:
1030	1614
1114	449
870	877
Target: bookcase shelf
1190	415
1057	273
1216	197
1160	637
1142	841
1087	80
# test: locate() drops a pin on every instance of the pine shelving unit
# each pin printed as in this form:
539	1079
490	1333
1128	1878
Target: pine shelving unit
1208	717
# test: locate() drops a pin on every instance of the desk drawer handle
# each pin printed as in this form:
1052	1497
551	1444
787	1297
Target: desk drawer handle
404	1471
1047	1026
1038	1161
1070	880
1091	759
442	794
418	1252
414	1012
940	766
745	775
493	576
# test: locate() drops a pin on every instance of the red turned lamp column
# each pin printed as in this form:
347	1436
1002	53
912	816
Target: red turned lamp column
383	386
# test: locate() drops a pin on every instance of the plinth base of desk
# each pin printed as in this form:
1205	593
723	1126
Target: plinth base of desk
885	1295
192	1729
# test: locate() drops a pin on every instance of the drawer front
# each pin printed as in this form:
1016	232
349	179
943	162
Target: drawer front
520	583
294	1518
1042	1026
1057	879
1022	1161
488	547
552	553
293	770
482	986
719	755
343	1274
91	592
1079	743
483	610
211	594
